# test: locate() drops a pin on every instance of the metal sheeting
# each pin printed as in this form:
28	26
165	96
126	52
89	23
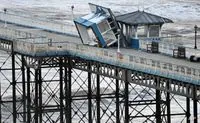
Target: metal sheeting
141	18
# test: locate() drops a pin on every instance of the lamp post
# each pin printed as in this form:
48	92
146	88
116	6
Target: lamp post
118	41
195	38
5	10
72	8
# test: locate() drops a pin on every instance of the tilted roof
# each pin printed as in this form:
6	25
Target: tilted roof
141	18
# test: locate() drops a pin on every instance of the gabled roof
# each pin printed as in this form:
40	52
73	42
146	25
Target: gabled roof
141	18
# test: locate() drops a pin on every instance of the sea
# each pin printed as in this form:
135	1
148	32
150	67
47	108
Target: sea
184	13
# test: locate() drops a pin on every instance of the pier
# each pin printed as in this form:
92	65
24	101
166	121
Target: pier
48	75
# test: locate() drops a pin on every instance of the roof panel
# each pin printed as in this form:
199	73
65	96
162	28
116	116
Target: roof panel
141	17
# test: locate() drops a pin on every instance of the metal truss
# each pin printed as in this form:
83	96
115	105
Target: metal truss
64	89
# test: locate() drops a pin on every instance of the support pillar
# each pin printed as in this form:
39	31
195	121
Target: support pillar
98	98
89	95
158	102
40	107
14	87
68	97
23	89
61	90
136	33
28	96
168	103
188	109
117	98
148	29
126	96
195	107
36	96
127	32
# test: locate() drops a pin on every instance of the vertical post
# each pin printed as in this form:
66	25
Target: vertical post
168	103
89	95
14	86
136	33
118	41
195	39
61	90
126	96
195	107
98	98
68	99
117	97
127	32
148	29
72	8
40	108
28	96
36	96
158	102
5	11
23	89
0	102
188	109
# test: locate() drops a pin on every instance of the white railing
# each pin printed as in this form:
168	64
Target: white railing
40	23
149	65
168	44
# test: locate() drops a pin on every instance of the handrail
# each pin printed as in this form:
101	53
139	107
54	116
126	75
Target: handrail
40	23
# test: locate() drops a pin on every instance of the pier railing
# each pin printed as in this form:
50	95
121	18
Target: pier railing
35	45
168	44
66	28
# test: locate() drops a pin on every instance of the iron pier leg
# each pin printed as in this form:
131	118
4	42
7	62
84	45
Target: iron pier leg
28	96
158	103
36	96
68	99
117	98
168	103
98	98
40	109
188	109
23	89
0	103
195	105
14	88
126	96
61	90
89	95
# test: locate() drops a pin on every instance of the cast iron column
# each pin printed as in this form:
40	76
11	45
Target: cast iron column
98	98
28	96
61	90
117	97
14	87
89	95
126	96
68	98
158	102
23	89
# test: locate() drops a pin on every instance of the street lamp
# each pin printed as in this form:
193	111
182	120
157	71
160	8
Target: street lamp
72	8
118	41
195	38
5	10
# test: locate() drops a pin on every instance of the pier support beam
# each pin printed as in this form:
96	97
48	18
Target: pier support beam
68	98
158	105
98	98
195	106
61	90
14	87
